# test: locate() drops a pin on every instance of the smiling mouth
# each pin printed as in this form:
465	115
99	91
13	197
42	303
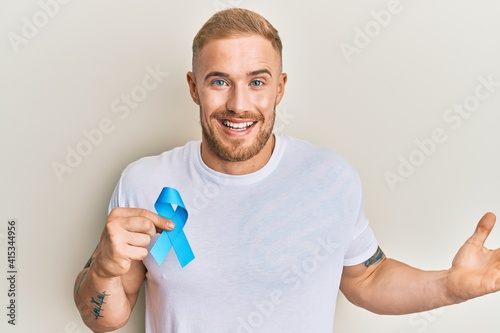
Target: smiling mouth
237	126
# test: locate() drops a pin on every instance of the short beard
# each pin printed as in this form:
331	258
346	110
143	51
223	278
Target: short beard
235	152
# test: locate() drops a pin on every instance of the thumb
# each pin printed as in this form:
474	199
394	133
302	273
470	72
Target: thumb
162	223
483	229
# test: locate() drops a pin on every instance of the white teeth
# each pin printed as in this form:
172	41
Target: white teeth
237	126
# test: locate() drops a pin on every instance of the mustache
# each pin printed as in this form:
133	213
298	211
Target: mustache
233	115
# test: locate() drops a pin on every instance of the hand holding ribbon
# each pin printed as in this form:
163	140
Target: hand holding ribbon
175	238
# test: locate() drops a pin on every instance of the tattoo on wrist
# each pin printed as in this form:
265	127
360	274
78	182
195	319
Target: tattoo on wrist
379	255
99	302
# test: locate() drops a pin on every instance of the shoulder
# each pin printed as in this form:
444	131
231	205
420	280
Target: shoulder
142	180
314	157
146	173
176	157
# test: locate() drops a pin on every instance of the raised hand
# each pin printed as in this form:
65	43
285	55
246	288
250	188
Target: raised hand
475	269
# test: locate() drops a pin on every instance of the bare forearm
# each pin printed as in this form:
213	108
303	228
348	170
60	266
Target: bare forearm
108	287
396	288
102	302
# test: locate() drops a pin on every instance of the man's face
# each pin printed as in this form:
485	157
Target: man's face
237	84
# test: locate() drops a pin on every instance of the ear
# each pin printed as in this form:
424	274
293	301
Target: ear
191	80
281	87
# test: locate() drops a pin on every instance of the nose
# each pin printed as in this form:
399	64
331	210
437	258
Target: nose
238	99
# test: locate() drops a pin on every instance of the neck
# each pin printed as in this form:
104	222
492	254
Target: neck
253	164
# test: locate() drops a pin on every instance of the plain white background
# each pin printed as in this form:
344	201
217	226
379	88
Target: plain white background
362	82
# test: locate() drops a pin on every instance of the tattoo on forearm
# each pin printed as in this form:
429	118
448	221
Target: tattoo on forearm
379	255
99	302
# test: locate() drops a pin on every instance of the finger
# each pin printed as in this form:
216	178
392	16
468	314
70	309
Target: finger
136	252
129	212
160	223
138	239
139	224
483	229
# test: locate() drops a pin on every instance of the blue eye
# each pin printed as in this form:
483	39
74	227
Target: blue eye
219	83
256	83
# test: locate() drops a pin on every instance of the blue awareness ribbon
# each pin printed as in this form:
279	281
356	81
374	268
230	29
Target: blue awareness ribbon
174	238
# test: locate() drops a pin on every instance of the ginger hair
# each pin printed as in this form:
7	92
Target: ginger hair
235	22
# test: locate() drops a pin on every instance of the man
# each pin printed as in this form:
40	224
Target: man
281	227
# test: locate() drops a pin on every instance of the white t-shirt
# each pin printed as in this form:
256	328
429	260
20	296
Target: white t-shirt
270	246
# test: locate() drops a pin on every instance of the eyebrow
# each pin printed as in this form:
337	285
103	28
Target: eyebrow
253	73
260	71
209	75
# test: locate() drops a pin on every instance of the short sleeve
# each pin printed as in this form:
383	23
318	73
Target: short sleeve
115	197
364	243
